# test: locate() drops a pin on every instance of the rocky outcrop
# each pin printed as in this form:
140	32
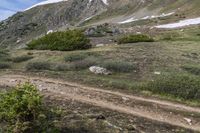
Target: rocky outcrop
99	70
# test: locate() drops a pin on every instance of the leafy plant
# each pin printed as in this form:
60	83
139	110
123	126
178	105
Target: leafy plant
22	111
63	41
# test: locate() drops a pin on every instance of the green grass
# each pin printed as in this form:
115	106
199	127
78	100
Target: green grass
62	41
75	57
135	38
22	58
4	56
193	69
31	66
183	86
119	66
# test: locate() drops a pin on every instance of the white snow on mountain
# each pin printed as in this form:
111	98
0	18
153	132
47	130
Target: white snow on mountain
181	23
44	3
133	19
104	1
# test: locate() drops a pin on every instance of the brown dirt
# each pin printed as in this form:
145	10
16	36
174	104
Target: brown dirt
152	109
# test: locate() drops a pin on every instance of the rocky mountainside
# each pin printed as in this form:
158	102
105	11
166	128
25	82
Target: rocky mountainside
38	20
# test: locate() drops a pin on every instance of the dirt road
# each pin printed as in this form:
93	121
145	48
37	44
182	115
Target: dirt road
153	109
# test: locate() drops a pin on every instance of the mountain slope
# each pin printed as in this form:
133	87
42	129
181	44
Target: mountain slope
63	14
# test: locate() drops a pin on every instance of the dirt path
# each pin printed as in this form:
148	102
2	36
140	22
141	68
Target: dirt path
157	110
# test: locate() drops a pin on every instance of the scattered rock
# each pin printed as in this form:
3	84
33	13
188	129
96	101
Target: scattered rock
113	126
125	98
131	127
157	73
99	70
18	40
189	121
99	45
100	117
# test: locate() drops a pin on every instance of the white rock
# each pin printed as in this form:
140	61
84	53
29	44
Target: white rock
99	45
125	98
99	70
157	73
189	121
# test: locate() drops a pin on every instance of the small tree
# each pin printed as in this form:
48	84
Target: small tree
21	105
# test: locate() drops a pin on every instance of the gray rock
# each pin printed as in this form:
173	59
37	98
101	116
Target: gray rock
99	70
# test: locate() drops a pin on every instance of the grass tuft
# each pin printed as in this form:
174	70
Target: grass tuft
135	39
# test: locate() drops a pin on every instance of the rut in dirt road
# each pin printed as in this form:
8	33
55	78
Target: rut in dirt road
163	111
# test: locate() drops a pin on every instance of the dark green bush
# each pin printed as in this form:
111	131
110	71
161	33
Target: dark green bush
182	86
38	66
22	58
63	41
135	38
119	66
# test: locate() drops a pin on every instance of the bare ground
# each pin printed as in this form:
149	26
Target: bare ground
154	114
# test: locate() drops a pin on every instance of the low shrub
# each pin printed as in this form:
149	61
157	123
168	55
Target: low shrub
75	57
62	67
80	56
135	38
38	66
22	58
22	110
119	66
192	69
5	65
181	86
4	56
63	41
82	64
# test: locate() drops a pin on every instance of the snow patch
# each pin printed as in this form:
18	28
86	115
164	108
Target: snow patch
128	20
104	1
45	3
88	18
181	23
146	17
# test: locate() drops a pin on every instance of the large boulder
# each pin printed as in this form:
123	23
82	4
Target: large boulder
99	70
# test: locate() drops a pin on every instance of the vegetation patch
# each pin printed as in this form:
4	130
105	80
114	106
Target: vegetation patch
31	66
119	66
5	65
75	57
22	58
181	86
4	56
63	41
22	110
192	69
79	56
135	38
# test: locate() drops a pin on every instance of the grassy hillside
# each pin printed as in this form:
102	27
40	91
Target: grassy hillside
133	66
